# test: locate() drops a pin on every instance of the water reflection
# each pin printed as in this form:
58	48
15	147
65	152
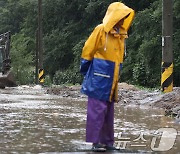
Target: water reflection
58	125
135	121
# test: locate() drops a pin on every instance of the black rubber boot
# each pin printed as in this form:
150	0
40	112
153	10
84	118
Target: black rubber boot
98	148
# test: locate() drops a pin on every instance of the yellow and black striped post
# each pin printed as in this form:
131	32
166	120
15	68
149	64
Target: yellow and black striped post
167	77
41	76
167	46
40	44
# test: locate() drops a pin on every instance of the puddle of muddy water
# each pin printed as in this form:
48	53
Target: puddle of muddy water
50	124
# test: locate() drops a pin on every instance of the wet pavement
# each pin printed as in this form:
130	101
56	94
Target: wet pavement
32	121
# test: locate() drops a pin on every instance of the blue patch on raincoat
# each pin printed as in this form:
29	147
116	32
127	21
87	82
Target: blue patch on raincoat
98	79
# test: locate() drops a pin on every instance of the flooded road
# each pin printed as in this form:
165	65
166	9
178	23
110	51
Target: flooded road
32	121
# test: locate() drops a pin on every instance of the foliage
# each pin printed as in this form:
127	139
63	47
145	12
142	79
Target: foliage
176	42
142	65
144	47
67	76
138	5
67	25
22	59
47	81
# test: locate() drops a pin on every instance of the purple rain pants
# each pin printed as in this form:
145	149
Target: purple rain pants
100	122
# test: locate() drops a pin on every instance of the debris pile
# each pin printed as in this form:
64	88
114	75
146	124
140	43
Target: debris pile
131	95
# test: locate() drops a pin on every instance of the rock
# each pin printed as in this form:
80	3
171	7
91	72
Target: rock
2	86
126	86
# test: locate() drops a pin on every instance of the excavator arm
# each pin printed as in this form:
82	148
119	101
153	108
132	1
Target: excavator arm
6	75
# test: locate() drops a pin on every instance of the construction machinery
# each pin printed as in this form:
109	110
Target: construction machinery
6	75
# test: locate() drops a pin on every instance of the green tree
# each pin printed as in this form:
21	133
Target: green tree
67	25
176	42
144	47
22	59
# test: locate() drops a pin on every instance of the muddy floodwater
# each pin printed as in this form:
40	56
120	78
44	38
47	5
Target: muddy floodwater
32	121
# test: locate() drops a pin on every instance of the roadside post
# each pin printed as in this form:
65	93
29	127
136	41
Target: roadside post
40	45
167	49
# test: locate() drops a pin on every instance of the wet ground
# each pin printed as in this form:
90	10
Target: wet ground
34	121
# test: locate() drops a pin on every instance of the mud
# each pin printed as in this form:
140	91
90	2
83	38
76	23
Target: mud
131	95
35	119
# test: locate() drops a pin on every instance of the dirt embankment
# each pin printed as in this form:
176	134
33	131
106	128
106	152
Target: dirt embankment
129	94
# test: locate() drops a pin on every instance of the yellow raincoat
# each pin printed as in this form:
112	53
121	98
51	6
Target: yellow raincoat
103	53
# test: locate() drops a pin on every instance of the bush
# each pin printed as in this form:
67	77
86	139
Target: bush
24	75
22	59
67	76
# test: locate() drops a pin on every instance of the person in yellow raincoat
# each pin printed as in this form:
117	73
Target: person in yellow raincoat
101	59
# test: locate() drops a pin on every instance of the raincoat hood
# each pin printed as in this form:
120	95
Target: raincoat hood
115	12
